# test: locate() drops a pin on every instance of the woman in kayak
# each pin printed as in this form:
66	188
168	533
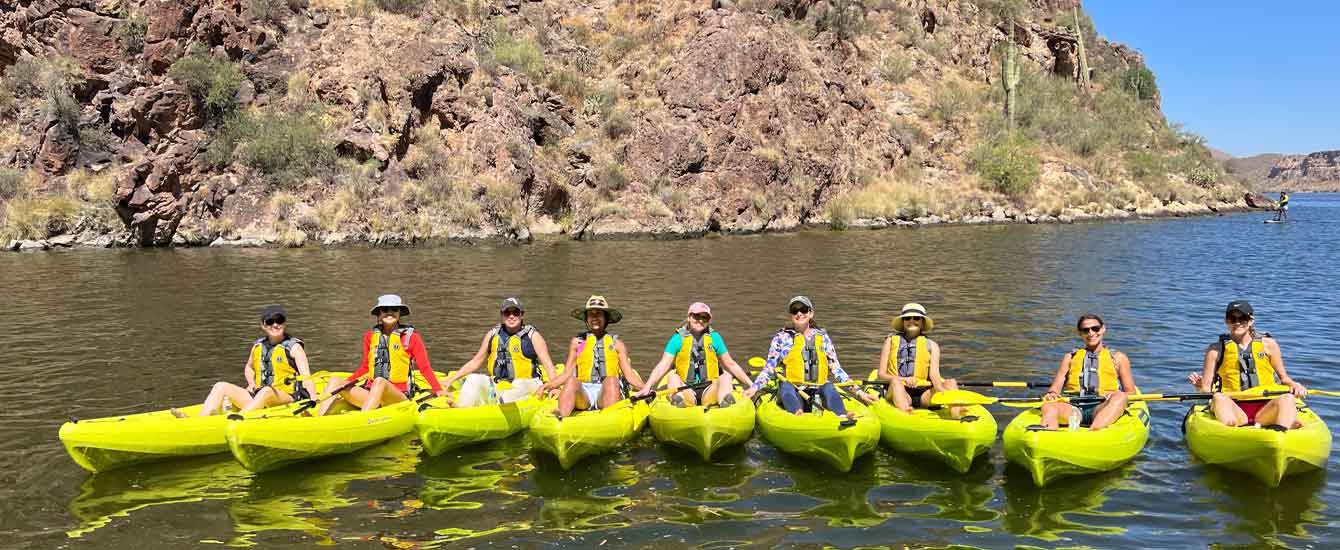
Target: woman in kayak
698	354
808	358
511	350
1093	370
390	350
599	361
910	362
1228	369
276	371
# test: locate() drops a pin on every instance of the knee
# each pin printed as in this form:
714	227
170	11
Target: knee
1287	400
220	387
951	384
1119	399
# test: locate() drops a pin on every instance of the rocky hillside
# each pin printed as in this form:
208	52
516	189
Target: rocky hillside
155	122
1318	171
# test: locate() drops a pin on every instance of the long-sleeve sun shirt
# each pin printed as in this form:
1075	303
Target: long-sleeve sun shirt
781	345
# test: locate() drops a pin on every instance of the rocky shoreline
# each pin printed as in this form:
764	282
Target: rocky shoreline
999	215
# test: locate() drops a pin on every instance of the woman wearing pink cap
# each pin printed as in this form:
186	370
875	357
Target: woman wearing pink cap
697	352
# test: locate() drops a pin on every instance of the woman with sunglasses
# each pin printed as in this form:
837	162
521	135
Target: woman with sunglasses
598	362
910	362
698	354
510	350
1096	370
1240	360
276	371
390	351
807	356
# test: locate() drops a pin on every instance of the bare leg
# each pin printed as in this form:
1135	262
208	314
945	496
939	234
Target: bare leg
897	394
382	393
570	398
949	385
327	403
234	393
720	388
1227	411
267	397
673	381
1282	410
609	392
1051	413
1109	411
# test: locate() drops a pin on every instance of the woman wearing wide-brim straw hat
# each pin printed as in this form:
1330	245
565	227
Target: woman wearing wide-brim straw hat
597	361
910	362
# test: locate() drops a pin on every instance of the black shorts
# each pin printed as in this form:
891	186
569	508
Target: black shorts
916	393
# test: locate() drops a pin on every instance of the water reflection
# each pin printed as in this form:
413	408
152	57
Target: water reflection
116	494
953	496
589	496
1263	514
1071	505
844	495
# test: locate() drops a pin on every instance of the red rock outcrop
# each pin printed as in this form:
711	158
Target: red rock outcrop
1319	171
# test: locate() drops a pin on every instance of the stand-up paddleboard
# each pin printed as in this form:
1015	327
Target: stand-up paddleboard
1278	221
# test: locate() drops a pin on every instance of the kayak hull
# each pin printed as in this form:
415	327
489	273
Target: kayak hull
703	431
1266	455
274	441
1050	455
103	444
442	428
586	433
934	434
819	437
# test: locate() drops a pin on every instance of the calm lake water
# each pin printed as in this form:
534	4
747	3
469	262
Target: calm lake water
103	332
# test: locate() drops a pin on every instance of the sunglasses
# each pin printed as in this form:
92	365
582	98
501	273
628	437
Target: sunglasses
801	310
701	317
512	313
917	319
1236	319
1093	329
274	321
385	310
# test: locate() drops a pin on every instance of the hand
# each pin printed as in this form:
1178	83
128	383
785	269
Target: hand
865	397
1051	396
642	392
251	388
749	393
1195	379
445	392
1298	390
909	381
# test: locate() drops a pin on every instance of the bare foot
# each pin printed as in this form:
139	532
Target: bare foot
178	413
800	412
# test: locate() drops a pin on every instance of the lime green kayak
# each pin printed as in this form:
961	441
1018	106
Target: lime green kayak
703	430
935	435
102	444
586	433
442	427
1265	454
1049	455
818	436
273	441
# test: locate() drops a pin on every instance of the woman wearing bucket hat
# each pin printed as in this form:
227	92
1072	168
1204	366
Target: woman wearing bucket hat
910	362
698	354
598	362
390	351
1094	369
276	371
510	351
1241	359
806	355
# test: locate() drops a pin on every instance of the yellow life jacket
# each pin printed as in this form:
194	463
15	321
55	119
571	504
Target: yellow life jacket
273	364
395	365
684	359
921	366
1108	380
794	362
518	362
587	368
1230	375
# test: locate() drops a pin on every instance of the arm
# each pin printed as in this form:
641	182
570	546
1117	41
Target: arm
885	375
1277	362
1206	381
1124	372
937	380
734	368
300	361
559	380
834	366
542	353
626	366
770	367
657	372
1058	381
362	369
472	365
420	356
249	372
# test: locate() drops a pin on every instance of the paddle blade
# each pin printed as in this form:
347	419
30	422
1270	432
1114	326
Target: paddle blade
757	362
961	397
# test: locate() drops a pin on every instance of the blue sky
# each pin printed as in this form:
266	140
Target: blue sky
1252	77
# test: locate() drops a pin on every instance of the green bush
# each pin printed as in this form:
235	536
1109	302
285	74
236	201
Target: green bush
895	68
1202	176
1143	165
845	19
1008	166
1139	81
131	35
568	83
8	103
64	109
619	124
211	80
951	102
518	53
284	146
610	179
401	6
11	182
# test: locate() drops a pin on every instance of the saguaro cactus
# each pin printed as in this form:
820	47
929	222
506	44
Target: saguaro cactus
1083	58
1009	68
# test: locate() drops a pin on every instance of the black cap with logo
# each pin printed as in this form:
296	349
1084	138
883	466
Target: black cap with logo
1240	306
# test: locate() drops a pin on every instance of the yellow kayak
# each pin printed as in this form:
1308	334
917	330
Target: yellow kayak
818	436
936	435
102	444
442	427
586	433
273	441
703	430
1265	454
1049	455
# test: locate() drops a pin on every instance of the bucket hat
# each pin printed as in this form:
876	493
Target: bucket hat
390	300
913	309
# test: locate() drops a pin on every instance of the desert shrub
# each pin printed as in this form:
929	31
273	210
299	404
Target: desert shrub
618	124
610	179
895	68
8	103
285	146
951	102
1143	165
11	182
620	47
211	80
131	35
1009	166
520	54
1139	81
1202	176
39	218
845	19
64	109
568	83
401	6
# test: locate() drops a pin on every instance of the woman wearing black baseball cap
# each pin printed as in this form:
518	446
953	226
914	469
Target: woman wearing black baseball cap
1240	360
276	371
513	354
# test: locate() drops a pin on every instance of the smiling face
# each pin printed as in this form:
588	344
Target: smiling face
1239	324
801	315
389	317
511	318
274	327
912	326
697	322
595	321
1092	331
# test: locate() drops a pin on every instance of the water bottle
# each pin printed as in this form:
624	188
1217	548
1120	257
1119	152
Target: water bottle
493	394
227	404
1075	418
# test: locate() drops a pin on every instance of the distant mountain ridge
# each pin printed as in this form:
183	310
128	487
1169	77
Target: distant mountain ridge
1317	171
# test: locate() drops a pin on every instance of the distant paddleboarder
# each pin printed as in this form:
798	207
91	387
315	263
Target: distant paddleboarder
1282	213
